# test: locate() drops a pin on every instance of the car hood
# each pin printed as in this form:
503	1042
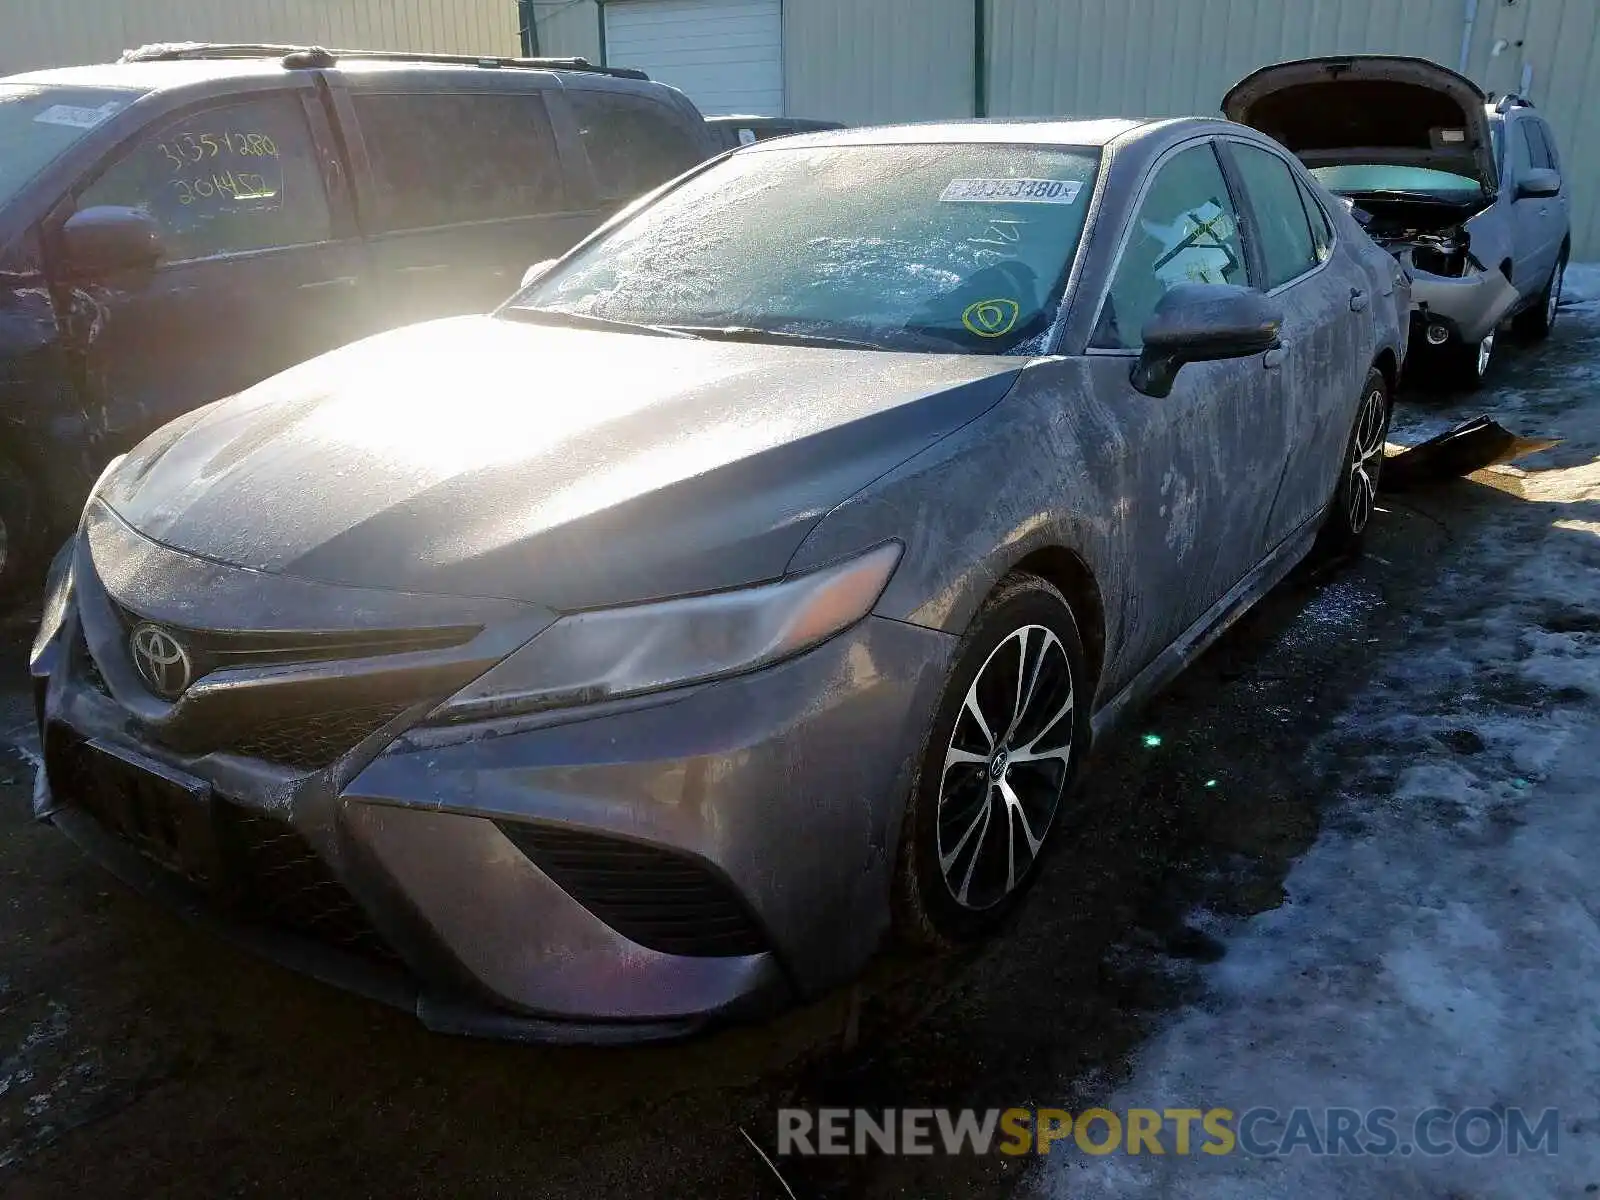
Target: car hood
570	468
1370	108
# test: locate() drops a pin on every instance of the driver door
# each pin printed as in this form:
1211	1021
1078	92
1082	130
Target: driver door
260	266
1200	466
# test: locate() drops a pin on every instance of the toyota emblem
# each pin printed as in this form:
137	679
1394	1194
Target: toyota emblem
161	660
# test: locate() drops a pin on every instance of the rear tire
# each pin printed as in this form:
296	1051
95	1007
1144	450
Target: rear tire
1536	322
17	542
1004	751
1355	499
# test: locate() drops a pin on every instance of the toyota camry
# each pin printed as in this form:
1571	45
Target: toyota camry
751	587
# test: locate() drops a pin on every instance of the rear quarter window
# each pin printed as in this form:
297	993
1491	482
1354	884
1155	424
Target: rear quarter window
448	158
633	142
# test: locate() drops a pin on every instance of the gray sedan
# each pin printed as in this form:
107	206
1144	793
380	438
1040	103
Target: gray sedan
754	583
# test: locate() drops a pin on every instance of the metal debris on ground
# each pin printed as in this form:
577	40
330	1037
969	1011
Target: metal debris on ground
1470	446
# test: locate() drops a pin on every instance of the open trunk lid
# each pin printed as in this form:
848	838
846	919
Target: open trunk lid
1370	108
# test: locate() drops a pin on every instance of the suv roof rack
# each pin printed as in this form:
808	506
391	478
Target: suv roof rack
307	57
1511	100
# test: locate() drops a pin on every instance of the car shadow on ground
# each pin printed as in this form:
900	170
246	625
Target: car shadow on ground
156	1058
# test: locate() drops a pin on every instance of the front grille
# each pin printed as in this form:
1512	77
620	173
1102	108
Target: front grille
314	740
660	899
215	650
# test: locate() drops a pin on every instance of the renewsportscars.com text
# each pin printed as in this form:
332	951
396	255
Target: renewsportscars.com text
1259	1132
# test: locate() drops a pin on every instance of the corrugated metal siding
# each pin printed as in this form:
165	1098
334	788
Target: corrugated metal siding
46	33
1166	57
569	28
870	61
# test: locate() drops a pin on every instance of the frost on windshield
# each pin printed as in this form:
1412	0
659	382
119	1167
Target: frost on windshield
874	243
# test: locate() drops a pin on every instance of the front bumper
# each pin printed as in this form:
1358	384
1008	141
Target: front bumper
1469	306
469	866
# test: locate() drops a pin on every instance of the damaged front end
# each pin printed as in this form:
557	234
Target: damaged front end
1456	294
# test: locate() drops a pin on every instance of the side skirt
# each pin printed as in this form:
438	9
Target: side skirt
1211	625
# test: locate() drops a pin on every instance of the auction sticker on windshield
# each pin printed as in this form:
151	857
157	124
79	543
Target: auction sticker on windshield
77	117
1012	191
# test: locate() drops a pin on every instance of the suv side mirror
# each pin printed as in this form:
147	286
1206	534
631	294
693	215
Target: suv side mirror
1539	182
1198	322
107	239
533	272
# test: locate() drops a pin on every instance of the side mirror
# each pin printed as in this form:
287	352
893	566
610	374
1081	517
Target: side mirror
1539	182
105	240
533	272
1197	322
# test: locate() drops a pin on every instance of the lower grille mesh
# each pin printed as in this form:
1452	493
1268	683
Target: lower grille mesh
257	868
662	900
285	883
313	740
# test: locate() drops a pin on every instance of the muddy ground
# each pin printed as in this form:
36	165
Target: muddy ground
140	1057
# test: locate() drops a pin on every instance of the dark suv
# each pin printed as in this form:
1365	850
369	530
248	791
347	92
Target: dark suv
192	219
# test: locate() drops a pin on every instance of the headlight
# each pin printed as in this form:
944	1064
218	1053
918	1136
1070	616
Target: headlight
57	597
593	656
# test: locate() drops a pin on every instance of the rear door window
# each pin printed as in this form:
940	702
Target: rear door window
634	143
1321	227
1283	229
448	158
228	180
1186	231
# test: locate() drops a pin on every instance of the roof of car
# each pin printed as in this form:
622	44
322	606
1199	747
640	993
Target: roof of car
158	73
1050	131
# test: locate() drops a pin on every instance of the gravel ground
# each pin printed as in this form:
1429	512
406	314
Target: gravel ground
140	1057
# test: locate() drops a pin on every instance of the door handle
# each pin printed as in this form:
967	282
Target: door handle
1273	358
1358	300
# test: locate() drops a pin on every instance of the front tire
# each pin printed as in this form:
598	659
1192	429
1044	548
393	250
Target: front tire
1356	497
1466	365
1537	322
1004	750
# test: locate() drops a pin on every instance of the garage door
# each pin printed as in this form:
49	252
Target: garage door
727	55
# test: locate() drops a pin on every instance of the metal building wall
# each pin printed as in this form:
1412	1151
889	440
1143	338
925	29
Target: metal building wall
568	28
861	61
46	33
1166	57
871	61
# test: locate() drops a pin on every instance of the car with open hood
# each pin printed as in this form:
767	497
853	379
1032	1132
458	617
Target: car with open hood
1466	193
753	583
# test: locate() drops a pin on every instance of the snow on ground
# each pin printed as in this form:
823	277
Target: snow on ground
1440	944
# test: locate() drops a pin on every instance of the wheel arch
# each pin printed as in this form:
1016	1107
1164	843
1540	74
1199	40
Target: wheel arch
1388	365
1066	571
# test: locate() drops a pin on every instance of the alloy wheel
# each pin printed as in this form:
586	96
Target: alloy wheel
1553	301
1366	459
1005	768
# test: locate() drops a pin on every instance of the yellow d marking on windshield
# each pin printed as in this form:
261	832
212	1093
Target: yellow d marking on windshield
991	318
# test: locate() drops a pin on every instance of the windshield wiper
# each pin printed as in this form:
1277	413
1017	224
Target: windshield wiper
577	320
782	337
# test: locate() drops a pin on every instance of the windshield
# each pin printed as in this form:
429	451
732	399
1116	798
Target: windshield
1350	178
956	248
38	123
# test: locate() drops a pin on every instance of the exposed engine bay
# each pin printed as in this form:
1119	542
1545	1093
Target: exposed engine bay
1424	234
